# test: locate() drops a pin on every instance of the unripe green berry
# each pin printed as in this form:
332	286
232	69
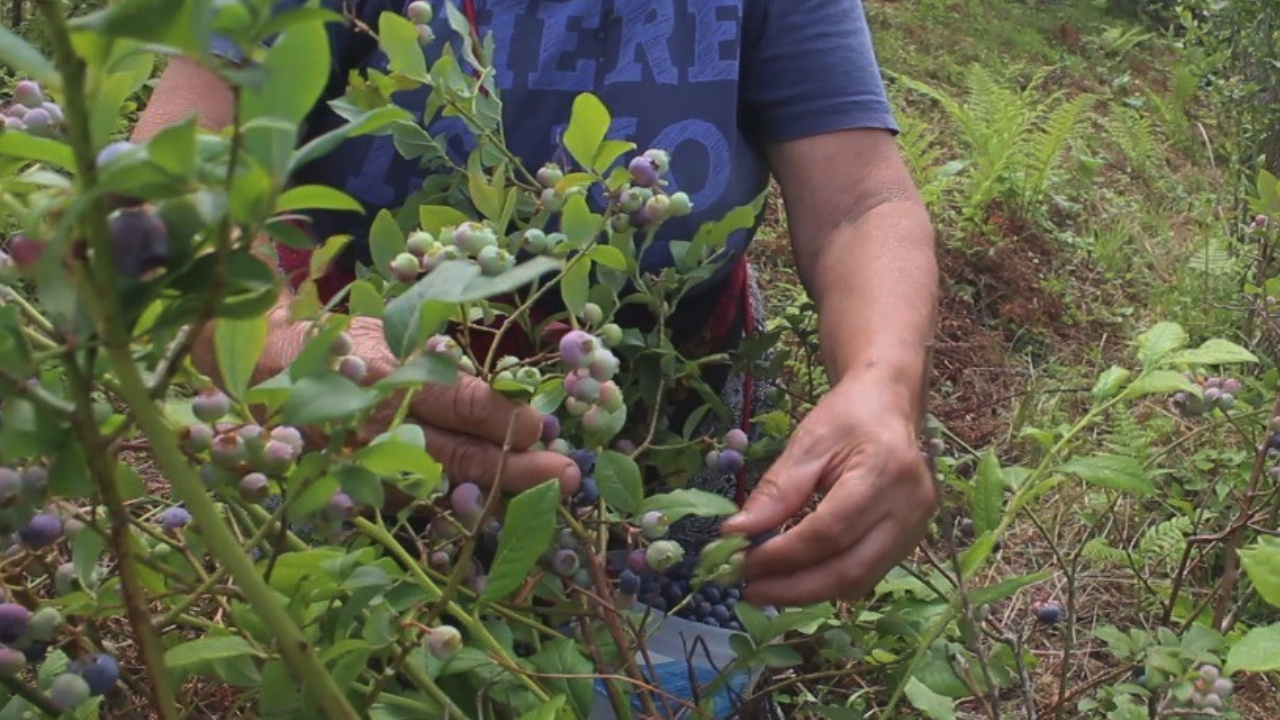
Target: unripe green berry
444	642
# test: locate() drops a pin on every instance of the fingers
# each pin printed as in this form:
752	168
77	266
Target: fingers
849	575
840	521
783	491
469	405
469	459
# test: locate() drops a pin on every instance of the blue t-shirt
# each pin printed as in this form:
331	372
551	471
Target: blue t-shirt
709	81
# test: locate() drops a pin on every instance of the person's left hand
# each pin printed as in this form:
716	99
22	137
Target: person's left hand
858	448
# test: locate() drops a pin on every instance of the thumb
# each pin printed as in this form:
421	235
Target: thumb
781	493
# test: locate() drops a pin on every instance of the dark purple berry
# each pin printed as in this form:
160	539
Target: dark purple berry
14	620
565	562
175	518
550	428
729	461
1049	612
588	492
585	459
35	652
638	563
42	531
467	502
140	242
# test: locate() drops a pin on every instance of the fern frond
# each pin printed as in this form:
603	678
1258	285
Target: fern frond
1057	130
1100	551
1164	541
1133	132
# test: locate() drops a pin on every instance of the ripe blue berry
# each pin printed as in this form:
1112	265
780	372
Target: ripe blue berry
444	642
353	368
175	518
1049	612
100	671
588	492
140	242
113	151
69	691
288	435
628	582
197	438
585	459
729	461
42	531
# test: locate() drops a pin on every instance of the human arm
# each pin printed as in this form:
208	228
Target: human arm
864	249
466	422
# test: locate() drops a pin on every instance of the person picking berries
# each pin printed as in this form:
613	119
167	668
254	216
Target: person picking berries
730	93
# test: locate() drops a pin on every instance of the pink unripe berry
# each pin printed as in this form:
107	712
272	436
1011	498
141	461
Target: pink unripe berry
444	642
288	435
277	457
37	120
624	446
467	502
637	562
353	368
644	171
577	348
1231	385
28	93
12	662
736	439
582	386
197	438
254	487
228	450
341	505
610	396
595	420
604	365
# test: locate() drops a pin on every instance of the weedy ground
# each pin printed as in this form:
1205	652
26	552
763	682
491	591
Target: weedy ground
1072	162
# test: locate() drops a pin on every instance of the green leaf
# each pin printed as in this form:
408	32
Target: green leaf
296	70
316	197
1255	652
575	286
608	256
611	150
681	503
1006	588
1158	382
419	371
563	658
588	124
410	318
238	344
527	533
1215	351
207	649
1261	562
23	58
1159	341
578	223
29	147
326	398
1110	382
937	707
460	281
362	124
434	218
619	479
385	241
1268	192
365	300
1115	472
154	21
399	39
988	494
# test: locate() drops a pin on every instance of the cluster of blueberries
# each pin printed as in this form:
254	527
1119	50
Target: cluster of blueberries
671	592
31	112
1216	393
26	638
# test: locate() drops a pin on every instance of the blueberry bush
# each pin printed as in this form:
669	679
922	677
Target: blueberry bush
313	566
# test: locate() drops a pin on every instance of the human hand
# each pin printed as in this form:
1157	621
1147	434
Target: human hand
857	447
466	424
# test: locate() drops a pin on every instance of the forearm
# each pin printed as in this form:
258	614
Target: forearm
875	282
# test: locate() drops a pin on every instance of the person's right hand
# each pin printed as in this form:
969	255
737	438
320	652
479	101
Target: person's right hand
466	424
